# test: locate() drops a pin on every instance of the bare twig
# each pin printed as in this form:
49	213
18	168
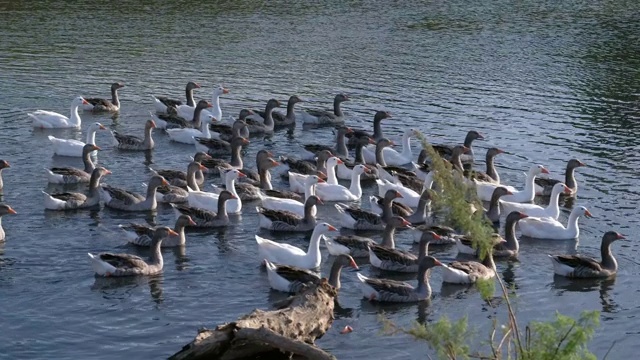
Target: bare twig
610	348
563	339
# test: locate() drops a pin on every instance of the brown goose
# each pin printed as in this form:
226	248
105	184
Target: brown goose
130	142
142	234
214	165
121	199
507	247
76	200
225	131
446	234
100	105
392	259
109	264
71	175
385	290
491	175
312	150
163	103
293	279
257	127
377	129
446	151
280	119
344	170
305	167
205	218
469	272
179	193
282	220
544	186
357	219
325	117
4	210
213	146
578	266
173	120
179	177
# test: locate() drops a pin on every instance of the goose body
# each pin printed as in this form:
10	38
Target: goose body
131	142
391	259
544	185
76	200
551	211
51	120
336	192
324	117
290	255
4	210
577	266
104	105
125	200
294	206
507	247
204	218
142	235
278	220
209	201
188	135
293	279
485	189
469	272
71	175
547	228
72	147
163	103
391	156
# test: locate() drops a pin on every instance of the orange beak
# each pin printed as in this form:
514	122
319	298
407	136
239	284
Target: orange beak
202	167
349	130
153	123
544	170
436	236
241	174
581	163
405	223
11	211
340	162
197	85
587	213
320	201
191	222
398	195
509	192
6	163
95	147
465	149
392	144
102	127
225	91
367	170
245	141
438	263
85	102
320	180
173	233
522	216
567	190
274	163
165	182
347	329
332	228
371	141
619	236
233	196
354	265
107	172
500	151
322	175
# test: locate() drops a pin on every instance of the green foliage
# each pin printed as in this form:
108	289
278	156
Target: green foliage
561	339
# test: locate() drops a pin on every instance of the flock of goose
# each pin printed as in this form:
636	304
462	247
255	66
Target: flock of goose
403	201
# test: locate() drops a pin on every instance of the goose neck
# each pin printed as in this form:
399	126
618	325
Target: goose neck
189	96
156	253
608	261
265	181
88	164
510	235
222	205
334	275
491	169
75	117
388	237
359	159
290	112
380	156
355	187
570	178
341	146
236	157
336	108
114	97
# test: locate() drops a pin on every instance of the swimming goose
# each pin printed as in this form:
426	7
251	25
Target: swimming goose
578	266
72	147
551	211
209	201
224	131
507	247
291	205
279	118
3	165
493	212
188	135
385	290
176	191
419	216
162	103
391	156
547	228
409	198
99	104
172	120
109	264
121	199
4	210
544	185
180	178
286	254
311	150
491	175
296	181
142	234
71	175
217	146
337	192
392	259
344	170
291	279
446	234
205	218
76	200
325	117
446	151
247	191
485	189
257	127
469	272
131	142
52	120
377	129
357	219
190	111
215	165
279	220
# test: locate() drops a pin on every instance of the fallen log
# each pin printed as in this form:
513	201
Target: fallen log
290	330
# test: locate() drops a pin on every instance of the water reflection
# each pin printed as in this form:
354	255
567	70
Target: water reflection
602	286
120	288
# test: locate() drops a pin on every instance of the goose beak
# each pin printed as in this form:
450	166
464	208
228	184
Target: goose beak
349	130
197	85
480	137
173	233
153	124
438	263
581	163
241	174
269	153
367	170
340	162
500	151
332	228
354	265
165	182
11	211
245	141
509	192
95	147
107	172
209	104
436	236
587	213
392	144
233	196
320	201
618	236
6	164
102	127
347	329
191	222
398	195
371	141
465	149
567	190
320	180
225	91
275	163
322	175
544	170
523	216
202	167
85	102
405	223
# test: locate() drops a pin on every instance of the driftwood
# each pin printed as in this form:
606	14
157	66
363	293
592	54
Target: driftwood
290	330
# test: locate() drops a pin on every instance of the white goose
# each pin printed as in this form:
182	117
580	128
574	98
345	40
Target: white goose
391	156
286	254
547	228
52	120
186	111
409	198
291	205
551	211
72	147
209	201
485	189
337	192
187	135
296	180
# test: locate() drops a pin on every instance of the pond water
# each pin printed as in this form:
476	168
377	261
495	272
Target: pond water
545	81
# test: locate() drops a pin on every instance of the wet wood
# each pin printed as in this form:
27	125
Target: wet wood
288	331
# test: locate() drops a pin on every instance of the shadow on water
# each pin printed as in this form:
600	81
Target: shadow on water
125	287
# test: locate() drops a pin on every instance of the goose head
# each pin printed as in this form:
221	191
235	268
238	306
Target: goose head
392	194
117	85
537	170
381	115
233	174
515	216
398	222
6	210
101	171
219	90
244	113
611	236
195	166
294	99
500	191
88	148
185	220
582	211
341	98
150	124
334	161
360	169
97	126
4	164
346	260
273	103
493	152
473	135
239	141
192	85
201	155
324	228
384	142
157	181
79	100
313	179
412	132
313	200
203	104
226	195
560	188
163	232
574	163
